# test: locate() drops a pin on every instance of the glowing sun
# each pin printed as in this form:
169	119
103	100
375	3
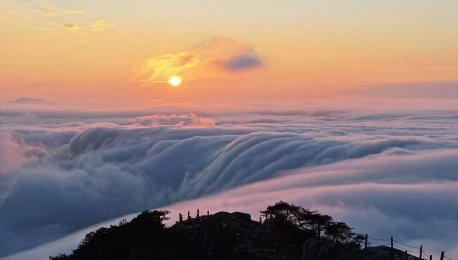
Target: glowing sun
175	81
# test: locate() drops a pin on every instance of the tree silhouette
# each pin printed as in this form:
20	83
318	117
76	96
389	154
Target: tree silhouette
314	221
284	214
117	241
338	232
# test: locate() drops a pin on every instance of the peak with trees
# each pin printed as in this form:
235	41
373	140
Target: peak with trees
287	231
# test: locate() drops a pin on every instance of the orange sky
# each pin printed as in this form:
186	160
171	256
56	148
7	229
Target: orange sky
91	50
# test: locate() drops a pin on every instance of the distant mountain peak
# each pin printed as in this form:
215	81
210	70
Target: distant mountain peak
32	101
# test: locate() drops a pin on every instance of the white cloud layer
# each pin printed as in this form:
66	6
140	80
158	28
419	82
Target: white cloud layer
383	173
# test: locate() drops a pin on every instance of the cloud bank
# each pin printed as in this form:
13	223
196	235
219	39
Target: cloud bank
429	90
407	195
408	199
68	174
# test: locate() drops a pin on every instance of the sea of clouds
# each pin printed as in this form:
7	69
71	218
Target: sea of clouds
383	173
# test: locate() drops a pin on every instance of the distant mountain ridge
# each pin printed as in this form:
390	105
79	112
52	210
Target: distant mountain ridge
31	101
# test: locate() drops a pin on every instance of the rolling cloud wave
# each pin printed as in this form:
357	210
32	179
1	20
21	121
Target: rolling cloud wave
66	178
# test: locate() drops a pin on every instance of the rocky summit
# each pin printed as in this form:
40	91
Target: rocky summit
219	236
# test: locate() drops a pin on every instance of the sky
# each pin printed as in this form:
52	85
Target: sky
125	52
108	108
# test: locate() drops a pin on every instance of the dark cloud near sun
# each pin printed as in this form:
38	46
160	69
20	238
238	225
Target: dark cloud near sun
244	61
230	55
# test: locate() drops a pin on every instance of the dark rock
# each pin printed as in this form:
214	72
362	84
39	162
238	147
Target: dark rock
235	236
218	237
319	249
385	252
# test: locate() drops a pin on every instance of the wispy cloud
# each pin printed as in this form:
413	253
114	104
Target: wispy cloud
49	13
74	11
161	68
46	12
72	27
98	25
44	29
93	26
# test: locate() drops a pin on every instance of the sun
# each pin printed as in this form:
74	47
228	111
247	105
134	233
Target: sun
175	81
